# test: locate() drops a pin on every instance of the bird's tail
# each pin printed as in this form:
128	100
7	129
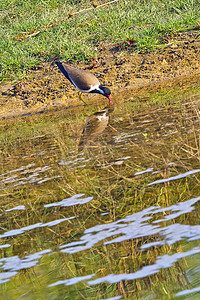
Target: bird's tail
62	69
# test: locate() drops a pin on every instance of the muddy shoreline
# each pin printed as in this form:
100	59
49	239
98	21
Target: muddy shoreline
45	88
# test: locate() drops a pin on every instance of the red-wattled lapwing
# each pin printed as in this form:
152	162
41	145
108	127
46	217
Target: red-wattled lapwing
83	80
95	125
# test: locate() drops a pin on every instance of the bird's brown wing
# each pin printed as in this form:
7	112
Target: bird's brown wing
93	129
81	78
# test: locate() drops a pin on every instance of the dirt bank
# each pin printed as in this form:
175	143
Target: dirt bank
45	87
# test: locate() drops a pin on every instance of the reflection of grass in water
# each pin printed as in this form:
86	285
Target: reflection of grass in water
63	131
111	187
116	258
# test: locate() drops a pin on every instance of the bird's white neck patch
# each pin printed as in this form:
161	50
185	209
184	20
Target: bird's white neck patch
92	88
104	116
95	87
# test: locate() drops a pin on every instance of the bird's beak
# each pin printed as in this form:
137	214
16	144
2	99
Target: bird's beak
109	99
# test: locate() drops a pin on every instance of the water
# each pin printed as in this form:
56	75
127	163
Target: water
102	203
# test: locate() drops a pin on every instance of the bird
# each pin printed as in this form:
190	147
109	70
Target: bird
95	125
83	80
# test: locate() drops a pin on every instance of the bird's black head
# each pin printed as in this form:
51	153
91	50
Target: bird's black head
105	91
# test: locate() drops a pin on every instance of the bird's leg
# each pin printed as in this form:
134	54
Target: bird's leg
80	97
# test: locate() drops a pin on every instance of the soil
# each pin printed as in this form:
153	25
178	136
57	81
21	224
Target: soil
124	71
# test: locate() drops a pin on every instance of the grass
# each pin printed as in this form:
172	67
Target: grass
80	37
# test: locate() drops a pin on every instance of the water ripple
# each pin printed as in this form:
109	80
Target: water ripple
113	298
19	207
135	226
179	176
33	226
162	262
73	280
74	200
189	291
5	276
15	263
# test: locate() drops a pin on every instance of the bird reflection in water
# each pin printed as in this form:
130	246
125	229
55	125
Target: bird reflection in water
95	125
